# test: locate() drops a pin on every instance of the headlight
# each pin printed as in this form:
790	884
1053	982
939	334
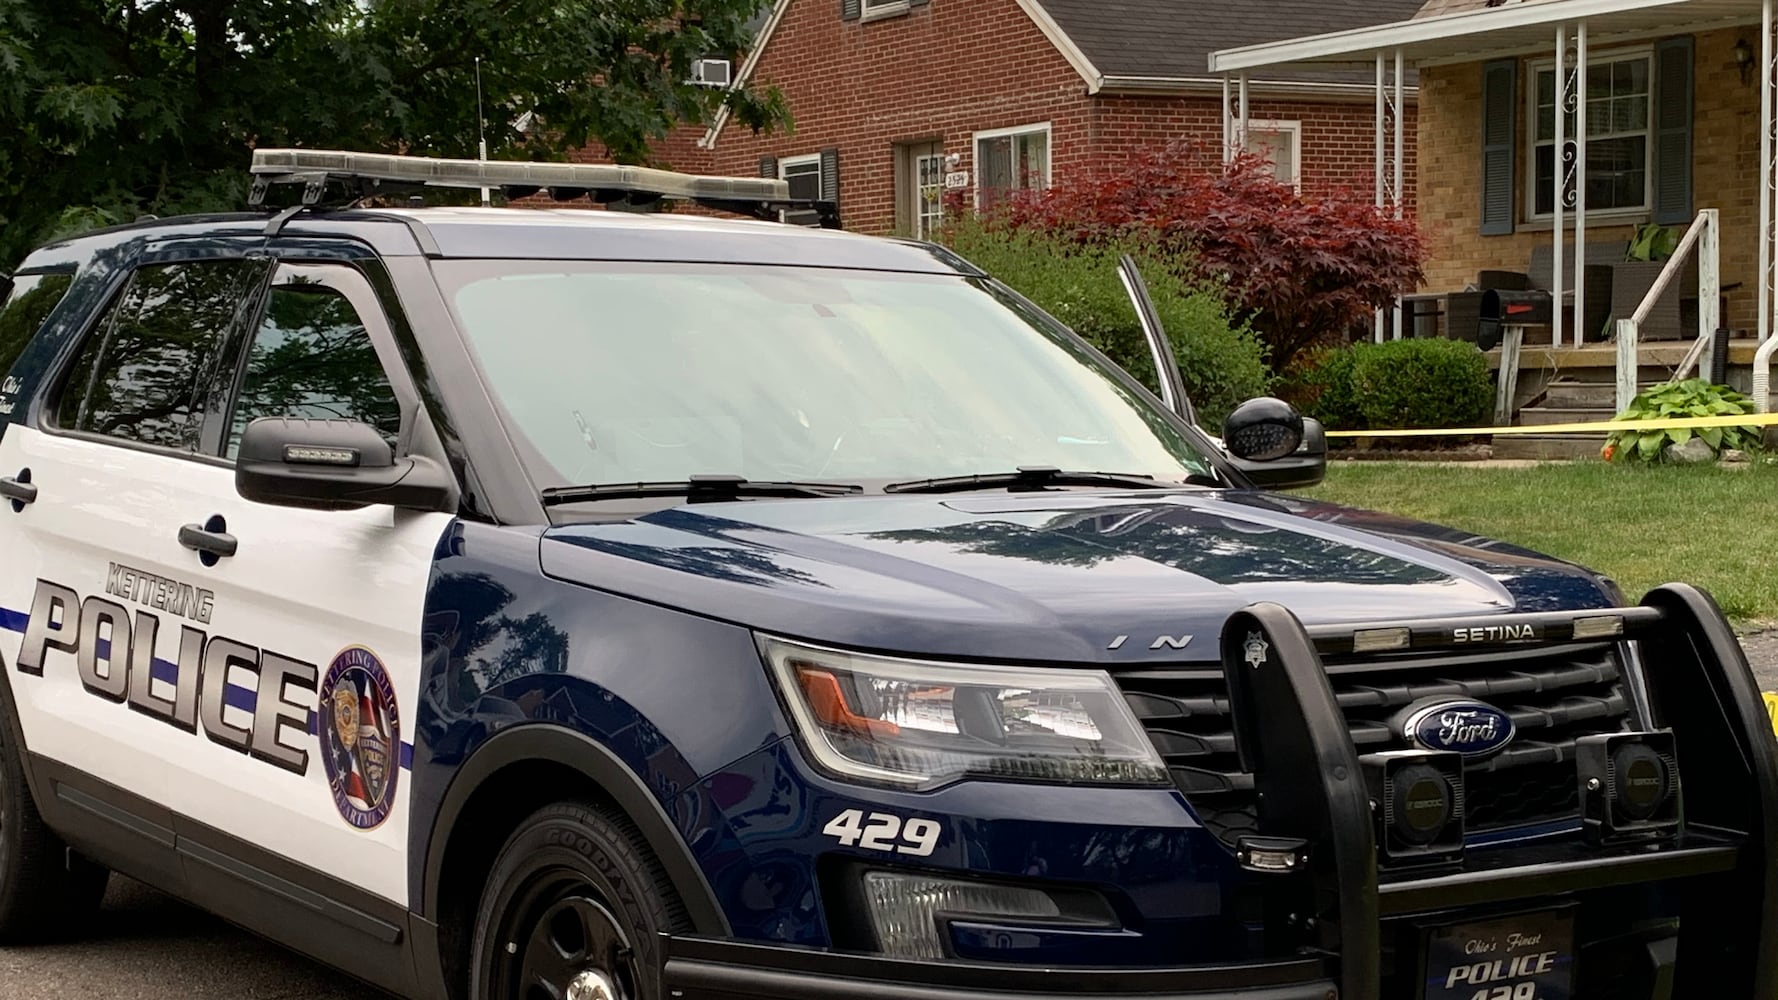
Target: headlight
923	724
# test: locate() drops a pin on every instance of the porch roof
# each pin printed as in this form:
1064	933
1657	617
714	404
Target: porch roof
1472	35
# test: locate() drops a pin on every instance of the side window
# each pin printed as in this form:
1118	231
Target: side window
312	357
32	298
143	373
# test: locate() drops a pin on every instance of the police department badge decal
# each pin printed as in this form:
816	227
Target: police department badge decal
1256	650
360	737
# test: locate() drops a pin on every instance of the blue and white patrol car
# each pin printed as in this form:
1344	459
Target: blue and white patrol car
501	605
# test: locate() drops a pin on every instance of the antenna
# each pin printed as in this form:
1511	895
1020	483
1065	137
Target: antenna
481	127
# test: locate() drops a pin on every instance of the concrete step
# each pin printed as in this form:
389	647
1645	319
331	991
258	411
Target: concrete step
1531	415
1541	447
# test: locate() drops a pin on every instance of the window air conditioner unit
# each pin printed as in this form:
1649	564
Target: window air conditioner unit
712	72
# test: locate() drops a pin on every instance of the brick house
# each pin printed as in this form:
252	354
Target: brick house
1679	99
896	101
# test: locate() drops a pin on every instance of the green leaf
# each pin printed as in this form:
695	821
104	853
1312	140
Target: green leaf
1712	436
1680	435
1649	446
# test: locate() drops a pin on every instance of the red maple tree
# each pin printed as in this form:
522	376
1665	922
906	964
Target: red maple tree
1301	270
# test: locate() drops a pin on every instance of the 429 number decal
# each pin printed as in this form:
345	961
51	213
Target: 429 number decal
884	832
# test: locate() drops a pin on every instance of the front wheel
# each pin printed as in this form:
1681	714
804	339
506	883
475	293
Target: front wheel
573	910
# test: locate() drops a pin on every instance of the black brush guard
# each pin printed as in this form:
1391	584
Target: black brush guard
1292	737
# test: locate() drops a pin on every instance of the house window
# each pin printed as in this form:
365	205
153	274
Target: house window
1281	144
884	8
804	176
1014	159
1618	146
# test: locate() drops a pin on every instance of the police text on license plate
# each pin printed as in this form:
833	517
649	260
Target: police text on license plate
1527	957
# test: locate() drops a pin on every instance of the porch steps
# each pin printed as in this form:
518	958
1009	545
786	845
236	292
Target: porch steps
1566	402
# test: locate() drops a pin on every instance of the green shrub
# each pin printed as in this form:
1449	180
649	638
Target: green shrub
1322	388
1222	363
1676	401
1422	383
1398	384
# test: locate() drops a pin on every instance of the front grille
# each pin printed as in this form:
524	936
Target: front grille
1555	695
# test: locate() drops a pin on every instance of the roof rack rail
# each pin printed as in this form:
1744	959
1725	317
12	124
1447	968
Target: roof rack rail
365	174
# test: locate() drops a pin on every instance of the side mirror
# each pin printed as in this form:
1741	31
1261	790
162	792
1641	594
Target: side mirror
1274	446
334	465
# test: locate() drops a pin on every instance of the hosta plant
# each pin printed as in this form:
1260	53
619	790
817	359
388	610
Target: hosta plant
1677	401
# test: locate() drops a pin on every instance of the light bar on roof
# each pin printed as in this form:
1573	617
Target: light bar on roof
507	173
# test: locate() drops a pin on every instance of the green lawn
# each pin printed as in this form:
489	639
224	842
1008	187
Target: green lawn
1709	527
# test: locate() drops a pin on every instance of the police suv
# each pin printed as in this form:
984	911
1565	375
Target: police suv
506	604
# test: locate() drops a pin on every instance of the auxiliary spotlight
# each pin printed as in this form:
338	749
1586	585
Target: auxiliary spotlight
1629	786
1417	801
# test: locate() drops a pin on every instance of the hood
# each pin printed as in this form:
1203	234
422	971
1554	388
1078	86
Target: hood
1052	576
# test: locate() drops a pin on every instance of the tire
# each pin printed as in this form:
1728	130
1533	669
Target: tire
574	894
46	891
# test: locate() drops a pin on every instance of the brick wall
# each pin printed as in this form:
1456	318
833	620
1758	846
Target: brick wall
1725	168
1338	138
953	68
941	72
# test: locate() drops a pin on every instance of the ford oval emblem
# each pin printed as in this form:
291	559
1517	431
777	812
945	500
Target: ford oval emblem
1466	727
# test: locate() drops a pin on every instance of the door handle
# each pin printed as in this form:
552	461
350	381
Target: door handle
19	490
210	541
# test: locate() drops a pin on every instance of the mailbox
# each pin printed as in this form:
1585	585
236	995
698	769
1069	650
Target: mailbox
1502	308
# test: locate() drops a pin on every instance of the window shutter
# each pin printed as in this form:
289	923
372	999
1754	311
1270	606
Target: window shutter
830	174
768	166
1673	131
851	10
1500	104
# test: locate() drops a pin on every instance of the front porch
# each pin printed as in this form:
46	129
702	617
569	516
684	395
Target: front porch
1551	134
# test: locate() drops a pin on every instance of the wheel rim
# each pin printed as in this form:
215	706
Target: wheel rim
561	942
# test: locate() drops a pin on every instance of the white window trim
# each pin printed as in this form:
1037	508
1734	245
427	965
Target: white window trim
1533	69
1293	129
1049	152
882	9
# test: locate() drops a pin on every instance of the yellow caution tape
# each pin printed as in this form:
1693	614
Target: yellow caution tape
1744	420
1771	708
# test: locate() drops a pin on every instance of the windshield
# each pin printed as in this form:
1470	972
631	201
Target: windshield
649	372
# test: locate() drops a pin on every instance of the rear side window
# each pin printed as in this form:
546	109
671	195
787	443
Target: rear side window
33	297
147	368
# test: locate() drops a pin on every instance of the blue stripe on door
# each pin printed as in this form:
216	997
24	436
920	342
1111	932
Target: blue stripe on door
233	695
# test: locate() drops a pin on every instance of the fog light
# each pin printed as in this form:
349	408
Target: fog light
1417	799
1629	786
905	909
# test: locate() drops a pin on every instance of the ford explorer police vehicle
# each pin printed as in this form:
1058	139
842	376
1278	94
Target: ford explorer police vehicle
508	605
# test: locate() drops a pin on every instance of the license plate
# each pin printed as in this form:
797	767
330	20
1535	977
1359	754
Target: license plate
1528	957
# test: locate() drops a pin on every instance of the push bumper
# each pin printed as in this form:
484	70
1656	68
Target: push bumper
1721	875
699	969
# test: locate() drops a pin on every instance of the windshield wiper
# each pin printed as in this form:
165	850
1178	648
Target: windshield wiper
1029	477
697	489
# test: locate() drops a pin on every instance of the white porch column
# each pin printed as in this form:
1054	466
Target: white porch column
1228	121
1560	177
1246	116
1377	163
1400	160
1580	186
1768	227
